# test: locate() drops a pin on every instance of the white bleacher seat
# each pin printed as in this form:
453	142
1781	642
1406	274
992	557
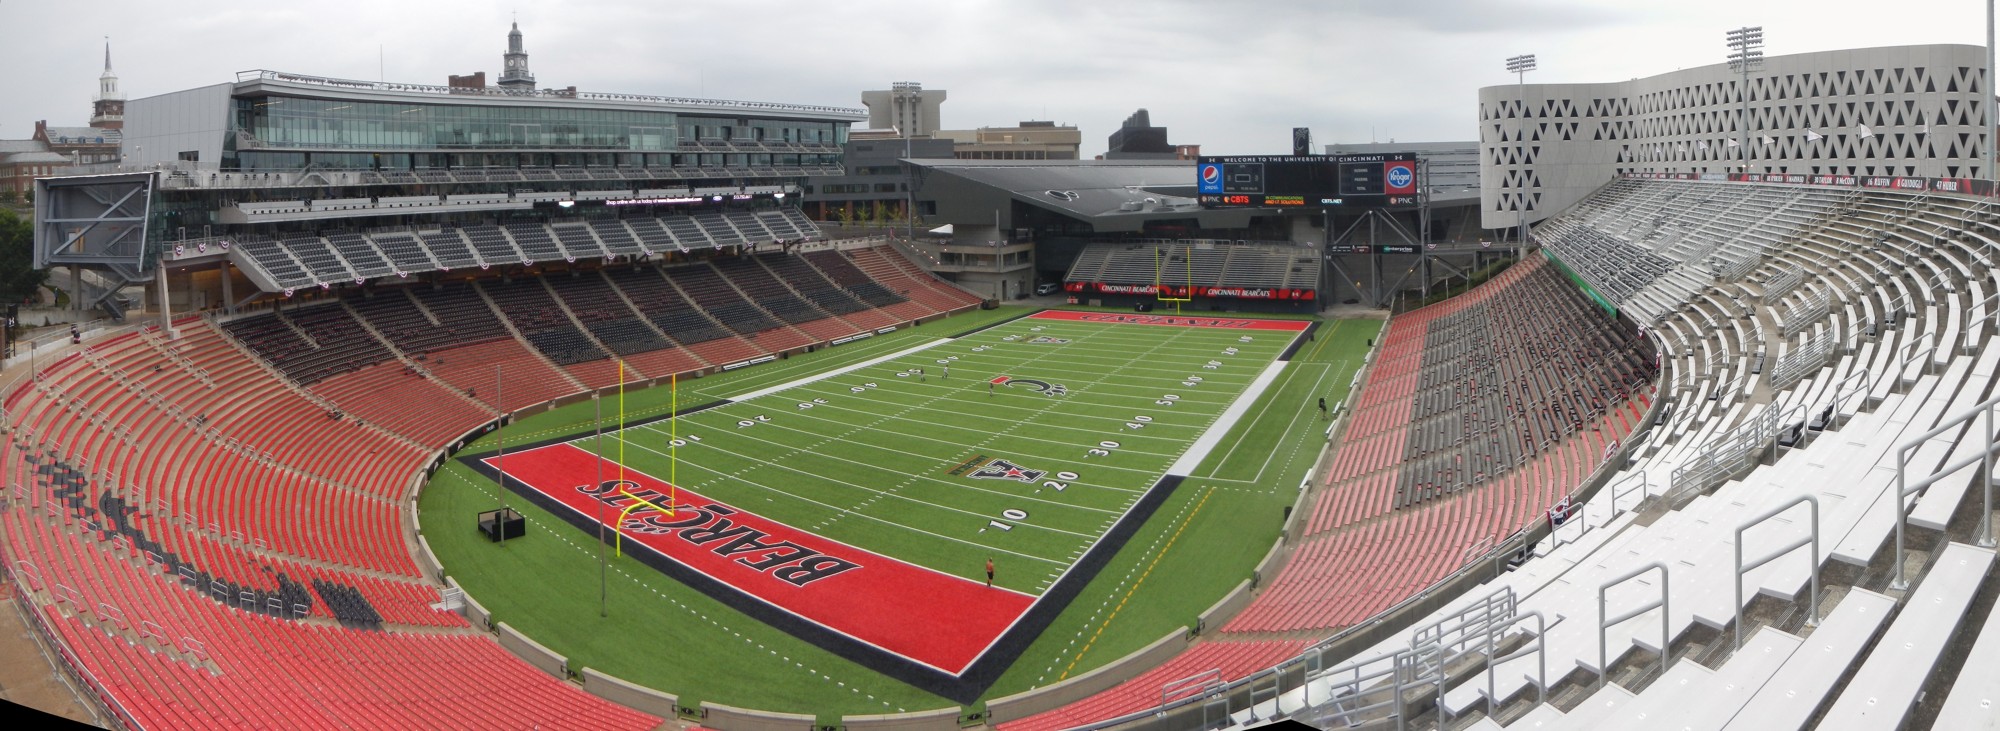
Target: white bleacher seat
1974	700
1883	689
1796	687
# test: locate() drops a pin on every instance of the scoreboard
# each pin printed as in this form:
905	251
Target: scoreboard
1310	181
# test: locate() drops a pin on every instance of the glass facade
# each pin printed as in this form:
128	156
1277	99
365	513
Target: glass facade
300	123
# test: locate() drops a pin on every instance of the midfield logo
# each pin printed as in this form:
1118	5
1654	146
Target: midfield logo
1043	387
1001	469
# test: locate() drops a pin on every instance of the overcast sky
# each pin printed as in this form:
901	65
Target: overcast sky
1231	75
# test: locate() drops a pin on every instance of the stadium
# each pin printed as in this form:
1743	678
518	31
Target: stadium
502	407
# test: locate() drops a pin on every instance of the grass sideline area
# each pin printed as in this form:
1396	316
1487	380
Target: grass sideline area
1206	538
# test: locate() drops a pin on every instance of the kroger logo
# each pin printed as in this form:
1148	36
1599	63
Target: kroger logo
1399	176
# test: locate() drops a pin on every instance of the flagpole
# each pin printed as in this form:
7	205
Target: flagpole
500	460
597	445
674	445
1991	175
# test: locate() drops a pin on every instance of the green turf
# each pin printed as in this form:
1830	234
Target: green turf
867	467
1214	530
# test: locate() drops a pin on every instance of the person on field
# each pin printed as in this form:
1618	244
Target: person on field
989	571
1322	407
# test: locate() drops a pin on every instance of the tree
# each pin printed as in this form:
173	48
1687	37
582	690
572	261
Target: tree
9	198
18	276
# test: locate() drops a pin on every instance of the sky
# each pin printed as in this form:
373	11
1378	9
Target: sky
1232	76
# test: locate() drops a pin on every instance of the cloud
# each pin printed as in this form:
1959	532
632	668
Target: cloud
1231	76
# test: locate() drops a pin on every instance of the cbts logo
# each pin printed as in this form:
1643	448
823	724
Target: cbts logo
1211	177
1399	177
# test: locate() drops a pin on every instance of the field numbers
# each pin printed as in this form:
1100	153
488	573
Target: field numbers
753	421
812	403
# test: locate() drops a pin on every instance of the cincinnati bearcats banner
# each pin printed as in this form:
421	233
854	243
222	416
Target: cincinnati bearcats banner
1172	290
1966	186
939	620
1174	320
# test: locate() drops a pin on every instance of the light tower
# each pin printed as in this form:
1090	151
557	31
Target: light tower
1746	54
1519	66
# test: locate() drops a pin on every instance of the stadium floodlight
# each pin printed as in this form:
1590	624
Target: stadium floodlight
1746	54
1519	66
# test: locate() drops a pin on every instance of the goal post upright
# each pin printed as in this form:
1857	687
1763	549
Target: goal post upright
1160	255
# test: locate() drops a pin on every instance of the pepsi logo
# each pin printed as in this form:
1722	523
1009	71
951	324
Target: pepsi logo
1399	176
1211	174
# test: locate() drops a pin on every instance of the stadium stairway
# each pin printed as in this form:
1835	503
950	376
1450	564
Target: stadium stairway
209	526
1907	355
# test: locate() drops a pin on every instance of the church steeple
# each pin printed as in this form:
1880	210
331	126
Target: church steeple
514	72
108	108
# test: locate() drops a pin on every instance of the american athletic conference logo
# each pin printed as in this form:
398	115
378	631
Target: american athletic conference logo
1211	178
1399	176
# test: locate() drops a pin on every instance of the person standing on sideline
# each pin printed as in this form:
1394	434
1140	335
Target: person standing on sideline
989	571
1322	407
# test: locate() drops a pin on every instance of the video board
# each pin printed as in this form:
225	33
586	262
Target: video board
1307	181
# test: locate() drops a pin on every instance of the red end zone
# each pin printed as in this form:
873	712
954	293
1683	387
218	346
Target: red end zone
936	619
1174	320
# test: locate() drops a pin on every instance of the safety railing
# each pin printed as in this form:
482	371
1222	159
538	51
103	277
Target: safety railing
1812	540
1905	488
1604	623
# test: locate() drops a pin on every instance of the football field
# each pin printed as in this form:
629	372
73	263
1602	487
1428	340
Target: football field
858	508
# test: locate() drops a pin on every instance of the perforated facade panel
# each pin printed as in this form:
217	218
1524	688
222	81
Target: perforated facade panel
1543	147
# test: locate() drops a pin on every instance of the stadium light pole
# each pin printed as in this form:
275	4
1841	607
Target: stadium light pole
1519	66
1746	53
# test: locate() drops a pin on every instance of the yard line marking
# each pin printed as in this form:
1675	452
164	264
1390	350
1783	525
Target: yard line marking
844	370
801	498
912	475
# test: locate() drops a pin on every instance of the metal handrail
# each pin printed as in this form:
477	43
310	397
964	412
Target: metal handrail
1812	619
1904	490
1663	604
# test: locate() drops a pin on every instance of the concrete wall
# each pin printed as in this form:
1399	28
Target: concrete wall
731	718
1225	608
628	694
531	651
942	719
1556	143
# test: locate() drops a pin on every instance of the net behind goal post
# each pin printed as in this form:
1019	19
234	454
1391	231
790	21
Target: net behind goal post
1173	267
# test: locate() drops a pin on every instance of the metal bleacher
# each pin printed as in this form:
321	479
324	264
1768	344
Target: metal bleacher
1205	263
1793	553
351	256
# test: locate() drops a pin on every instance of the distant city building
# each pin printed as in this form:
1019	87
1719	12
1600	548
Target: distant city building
906	107
877	184
52	149
108	109
1138	139
514	73
1031	140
